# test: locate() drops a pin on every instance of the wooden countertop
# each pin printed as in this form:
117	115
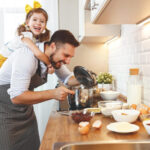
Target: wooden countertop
61	128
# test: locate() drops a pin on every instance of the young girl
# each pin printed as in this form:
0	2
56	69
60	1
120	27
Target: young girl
30	34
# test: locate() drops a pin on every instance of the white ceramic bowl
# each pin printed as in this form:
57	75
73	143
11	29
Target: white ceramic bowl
108	106
146	124
109	95
125	115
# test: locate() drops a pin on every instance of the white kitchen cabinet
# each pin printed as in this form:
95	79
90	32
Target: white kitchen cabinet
119	11
97	6
71	17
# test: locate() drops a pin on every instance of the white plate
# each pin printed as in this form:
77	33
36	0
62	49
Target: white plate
122	127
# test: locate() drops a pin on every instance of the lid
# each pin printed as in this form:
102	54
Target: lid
85	77
134	71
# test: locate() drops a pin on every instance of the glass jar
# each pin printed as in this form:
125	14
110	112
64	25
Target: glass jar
134	87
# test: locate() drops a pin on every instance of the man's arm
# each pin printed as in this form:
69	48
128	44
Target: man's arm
24	67
34	97
72	81
66	76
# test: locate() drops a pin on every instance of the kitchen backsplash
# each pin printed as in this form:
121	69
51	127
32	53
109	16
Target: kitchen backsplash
131	50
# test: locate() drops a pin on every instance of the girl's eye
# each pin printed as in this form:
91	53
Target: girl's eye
34	19
42	21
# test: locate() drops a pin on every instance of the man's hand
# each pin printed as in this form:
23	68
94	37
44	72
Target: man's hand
61	93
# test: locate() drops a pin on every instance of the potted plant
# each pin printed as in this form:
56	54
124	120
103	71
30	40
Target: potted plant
105	80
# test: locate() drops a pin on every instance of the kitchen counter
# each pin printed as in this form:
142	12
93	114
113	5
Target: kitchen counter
62	130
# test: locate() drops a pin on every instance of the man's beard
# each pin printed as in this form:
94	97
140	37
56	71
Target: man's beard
56	65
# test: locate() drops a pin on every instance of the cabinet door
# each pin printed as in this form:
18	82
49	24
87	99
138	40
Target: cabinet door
97	7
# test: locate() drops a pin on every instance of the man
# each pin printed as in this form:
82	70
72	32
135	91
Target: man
19	75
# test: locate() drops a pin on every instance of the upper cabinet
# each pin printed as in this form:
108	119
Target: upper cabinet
119	11
95	33
73	17
97	6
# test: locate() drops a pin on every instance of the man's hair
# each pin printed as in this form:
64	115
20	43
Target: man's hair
63	37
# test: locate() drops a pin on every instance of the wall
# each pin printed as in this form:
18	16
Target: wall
92	56
129	51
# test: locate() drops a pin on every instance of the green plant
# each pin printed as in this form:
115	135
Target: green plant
105	78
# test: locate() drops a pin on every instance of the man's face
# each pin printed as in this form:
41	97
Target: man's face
62	55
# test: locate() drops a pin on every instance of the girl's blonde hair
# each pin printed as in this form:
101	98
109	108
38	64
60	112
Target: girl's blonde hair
22	28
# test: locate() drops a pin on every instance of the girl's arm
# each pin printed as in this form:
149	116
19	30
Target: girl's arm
41	56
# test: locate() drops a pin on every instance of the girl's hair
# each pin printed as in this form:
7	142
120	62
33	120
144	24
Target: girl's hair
22	28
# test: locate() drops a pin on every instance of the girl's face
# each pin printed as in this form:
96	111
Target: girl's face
37	23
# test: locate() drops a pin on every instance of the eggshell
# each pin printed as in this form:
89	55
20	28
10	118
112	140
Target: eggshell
97	124
84	123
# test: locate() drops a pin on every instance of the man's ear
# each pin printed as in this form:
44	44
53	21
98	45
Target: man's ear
53	46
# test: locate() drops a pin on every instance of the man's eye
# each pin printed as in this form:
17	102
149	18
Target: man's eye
66	55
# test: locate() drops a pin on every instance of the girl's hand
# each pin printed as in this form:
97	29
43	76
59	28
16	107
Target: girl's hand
50	69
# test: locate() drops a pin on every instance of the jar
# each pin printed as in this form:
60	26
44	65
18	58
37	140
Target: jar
134	87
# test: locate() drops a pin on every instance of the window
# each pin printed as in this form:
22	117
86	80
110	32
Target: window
11	22
12	14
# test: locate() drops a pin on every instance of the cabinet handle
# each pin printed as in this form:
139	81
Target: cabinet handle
95	6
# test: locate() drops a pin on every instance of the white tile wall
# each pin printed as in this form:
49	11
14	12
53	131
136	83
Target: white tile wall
131	50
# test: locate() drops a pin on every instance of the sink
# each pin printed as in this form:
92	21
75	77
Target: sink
104	145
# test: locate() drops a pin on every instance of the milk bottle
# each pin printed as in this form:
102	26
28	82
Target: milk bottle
134	87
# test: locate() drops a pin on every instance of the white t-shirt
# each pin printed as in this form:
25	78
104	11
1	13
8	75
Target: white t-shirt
20	66
15	44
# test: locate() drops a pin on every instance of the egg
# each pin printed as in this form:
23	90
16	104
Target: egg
84	127
97	124
133	106
148	109
143	111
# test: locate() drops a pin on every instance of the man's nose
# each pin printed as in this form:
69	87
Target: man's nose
67	60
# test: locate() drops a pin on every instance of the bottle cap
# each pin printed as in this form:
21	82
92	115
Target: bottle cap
134	71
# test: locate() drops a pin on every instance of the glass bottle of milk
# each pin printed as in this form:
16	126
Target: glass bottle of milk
134	87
